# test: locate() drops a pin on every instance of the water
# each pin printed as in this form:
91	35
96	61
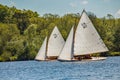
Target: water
108	69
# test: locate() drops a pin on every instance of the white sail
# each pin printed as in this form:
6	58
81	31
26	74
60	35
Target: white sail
42	52
67	51
55	43
87	39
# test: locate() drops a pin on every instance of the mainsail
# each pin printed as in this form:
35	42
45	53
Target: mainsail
55	43
87	39
42	52
67	51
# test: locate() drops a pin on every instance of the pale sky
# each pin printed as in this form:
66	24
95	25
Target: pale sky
99	7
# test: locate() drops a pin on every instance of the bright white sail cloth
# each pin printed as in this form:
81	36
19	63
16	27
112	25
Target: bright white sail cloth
87	39
55	43
42	52
67	51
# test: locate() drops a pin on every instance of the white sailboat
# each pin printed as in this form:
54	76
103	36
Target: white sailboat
67	52
86	41
55	44
52	49
42	52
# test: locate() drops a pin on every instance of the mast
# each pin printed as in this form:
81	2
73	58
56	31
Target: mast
67	51
42	52
87	39
55	43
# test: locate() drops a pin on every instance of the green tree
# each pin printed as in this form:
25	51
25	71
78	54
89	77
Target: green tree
117	36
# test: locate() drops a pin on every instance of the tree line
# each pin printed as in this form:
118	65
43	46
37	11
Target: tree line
23	31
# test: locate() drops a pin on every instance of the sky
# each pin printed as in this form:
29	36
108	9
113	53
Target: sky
99	7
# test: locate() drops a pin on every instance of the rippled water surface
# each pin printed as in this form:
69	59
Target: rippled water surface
108	69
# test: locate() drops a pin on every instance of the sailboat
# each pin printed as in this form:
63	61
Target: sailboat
86	41
42	52
55	44
51	49
67	51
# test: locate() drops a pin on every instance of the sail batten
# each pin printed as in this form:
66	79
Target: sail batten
42	52
87	39
55	43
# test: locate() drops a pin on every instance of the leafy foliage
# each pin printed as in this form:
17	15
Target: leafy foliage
23	31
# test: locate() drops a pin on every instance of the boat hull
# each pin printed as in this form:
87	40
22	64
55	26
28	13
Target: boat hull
95	59
98	58
46	60
73	60
92	59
